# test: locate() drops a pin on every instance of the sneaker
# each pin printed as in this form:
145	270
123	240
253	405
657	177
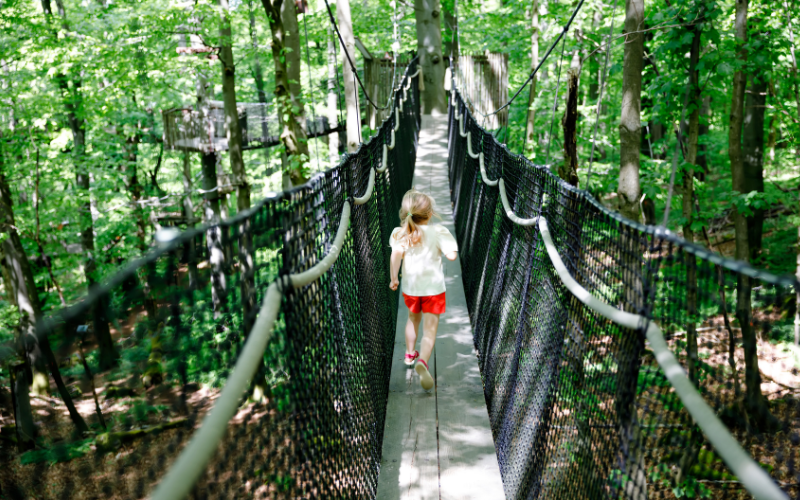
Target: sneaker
410	358
426	381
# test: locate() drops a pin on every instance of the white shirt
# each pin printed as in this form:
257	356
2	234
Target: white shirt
422	263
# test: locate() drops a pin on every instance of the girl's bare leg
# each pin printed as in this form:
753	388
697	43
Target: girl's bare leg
429	327
412	331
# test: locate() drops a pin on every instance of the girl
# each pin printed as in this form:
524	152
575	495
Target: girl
420	247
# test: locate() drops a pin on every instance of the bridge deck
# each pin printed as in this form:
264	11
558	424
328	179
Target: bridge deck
438	445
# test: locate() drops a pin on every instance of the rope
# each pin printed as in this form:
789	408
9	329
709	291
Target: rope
541	62
350	60
600	95
311	90
555	104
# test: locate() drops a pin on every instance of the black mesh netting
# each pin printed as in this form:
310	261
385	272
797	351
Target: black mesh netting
579	407
176	322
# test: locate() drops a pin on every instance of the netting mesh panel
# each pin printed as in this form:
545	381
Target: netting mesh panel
318	431
579	407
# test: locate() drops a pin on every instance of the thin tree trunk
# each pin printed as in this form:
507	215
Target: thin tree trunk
188	213
293	55
755	403
348	75
333	99
429	48
293	133
629	191
212	217
246	282
530	124
753	157
569	170
695	99
695	103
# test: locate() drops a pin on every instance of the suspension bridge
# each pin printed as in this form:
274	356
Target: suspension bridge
562	369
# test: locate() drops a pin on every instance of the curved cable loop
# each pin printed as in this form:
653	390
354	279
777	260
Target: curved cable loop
752	476
391	143
509	212
384	160
396	120
370	186
183	474
461	127
469	146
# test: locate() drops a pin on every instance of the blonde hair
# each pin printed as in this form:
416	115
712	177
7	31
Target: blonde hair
416	208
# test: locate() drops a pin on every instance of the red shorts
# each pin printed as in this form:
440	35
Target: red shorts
433	304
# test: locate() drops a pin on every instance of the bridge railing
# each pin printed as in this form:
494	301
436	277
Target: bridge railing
161	340
581	406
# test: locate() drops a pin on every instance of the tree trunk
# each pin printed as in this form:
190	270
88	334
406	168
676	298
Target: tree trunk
530	123
569	170
629	191
293	134
234	132
23	290
292	54
429	48
246	282
188	213
212	216
695	103
753	157
348	75
630	135
755	403
702	157
333	98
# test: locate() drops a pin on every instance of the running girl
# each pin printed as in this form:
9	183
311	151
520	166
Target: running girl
420	247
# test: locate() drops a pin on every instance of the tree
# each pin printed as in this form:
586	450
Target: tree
629	193
293	134
349	75
630	135
429	48
755	403
73	105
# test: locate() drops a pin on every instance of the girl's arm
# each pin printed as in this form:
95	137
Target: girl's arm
451	255
397	258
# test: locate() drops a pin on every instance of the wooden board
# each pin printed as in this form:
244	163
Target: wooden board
452	456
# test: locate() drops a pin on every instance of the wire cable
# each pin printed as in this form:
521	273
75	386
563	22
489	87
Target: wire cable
350	60
541	62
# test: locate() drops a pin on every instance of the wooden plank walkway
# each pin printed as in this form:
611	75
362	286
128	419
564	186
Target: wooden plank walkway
438	444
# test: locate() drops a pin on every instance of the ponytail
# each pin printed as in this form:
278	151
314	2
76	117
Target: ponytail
416	208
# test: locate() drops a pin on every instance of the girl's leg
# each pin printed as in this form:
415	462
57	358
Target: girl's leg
412	331
429	327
